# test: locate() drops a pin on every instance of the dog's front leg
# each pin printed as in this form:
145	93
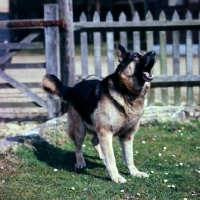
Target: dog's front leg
126	142
105	139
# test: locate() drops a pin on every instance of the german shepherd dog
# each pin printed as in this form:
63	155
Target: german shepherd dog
107	108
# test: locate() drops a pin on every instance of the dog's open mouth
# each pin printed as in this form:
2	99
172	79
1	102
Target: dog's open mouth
147	76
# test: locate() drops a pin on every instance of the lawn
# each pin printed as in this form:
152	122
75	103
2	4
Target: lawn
169	152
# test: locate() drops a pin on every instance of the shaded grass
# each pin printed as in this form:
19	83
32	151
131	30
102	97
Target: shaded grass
34	176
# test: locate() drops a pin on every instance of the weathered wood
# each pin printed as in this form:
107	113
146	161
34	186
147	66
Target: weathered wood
137	26
123	34
52	52
136	34
67	44
29	85
176	58
23	89
189	62
19	46
199	57
84	49
163	58
25	66
9	54
97	46
110	46
149	41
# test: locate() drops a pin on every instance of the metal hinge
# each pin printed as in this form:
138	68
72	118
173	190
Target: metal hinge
37	23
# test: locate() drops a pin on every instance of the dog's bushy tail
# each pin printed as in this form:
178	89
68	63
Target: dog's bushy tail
52	85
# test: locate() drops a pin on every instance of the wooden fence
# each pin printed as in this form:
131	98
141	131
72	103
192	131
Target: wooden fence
176	80
59	28
58	55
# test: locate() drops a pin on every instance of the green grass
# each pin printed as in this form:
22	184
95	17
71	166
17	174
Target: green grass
28	172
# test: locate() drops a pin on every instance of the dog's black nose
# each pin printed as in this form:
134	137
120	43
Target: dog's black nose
152	52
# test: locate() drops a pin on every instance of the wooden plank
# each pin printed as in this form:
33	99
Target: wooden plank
97	46
137	26
123	34
68	75
84	49
149	41
176	58
52	52
19	46
110	46
189	62
199	56
10	54
23	89
25	66
163	58
136	34
29	85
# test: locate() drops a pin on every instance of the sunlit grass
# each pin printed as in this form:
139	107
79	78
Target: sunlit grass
169	152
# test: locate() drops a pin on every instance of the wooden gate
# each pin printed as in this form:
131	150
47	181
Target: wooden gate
56	51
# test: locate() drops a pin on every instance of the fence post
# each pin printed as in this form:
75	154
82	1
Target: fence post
189	67
67	46
67	43
52	51
163	58
97	46
149	41
176	58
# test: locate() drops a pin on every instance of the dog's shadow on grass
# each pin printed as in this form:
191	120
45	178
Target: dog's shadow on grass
58	158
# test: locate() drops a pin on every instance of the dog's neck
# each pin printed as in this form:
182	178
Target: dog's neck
128	86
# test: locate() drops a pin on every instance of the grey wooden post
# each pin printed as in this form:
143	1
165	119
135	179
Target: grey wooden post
110	46
67	44
52	52
149	41
189	62
163	58
84	49
97	46
176	59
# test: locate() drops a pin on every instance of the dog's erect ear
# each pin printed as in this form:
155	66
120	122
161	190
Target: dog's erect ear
121	52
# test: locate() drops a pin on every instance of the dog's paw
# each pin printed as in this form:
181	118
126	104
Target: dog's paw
141	175
80	165
119	179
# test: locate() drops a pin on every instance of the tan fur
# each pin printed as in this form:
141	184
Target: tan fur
117	114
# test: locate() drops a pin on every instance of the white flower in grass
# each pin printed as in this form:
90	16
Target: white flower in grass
173	186
152	172
83	145
164	148
173	155
185	199
166	173
181	164
55	170
138	194
160	154
181	134
179	131
72	188
122	191
136	152
143	142
165	181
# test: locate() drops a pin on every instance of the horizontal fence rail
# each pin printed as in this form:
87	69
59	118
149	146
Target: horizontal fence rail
161	25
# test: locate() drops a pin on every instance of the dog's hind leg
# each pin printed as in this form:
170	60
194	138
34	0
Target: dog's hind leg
95	142
77	132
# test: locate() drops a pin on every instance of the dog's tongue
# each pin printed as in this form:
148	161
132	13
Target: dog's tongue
148	75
